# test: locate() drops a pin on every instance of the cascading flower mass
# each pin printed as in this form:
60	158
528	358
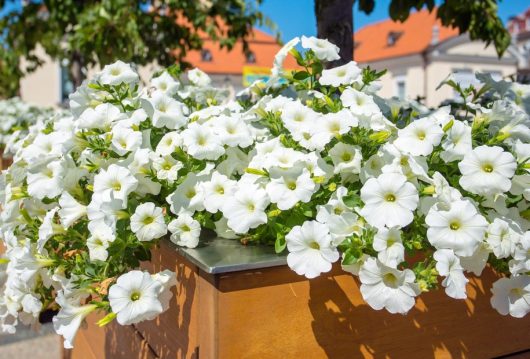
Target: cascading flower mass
311	161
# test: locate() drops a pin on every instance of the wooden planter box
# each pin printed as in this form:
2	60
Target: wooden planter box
244	302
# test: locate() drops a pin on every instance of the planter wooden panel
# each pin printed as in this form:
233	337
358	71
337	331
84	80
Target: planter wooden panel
274	313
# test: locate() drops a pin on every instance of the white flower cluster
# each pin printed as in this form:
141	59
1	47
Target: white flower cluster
16	116
311	161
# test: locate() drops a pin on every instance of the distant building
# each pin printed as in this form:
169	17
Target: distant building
420	53
49	85
519	28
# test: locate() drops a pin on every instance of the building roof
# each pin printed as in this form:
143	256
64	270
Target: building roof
411	37
263	46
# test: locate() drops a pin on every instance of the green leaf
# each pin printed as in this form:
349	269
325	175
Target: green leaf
280	243
301	75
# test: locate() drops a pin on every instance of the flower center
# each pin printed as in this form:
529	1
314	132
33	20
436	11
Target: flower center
291	185
314	245
191	193
390	198
185	228
341	73
390	280
487	168
115	72
148	220
135	296
421	135
337	211
219	189
346	157
454	225
201	141
116	186
517	292
251	207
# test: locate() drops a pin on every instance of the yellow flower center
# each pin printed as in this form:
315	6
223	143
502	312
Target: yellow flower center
390	280
314	245
346	157
291	186
454	225
148	220
116	186
487	168
135	296
390	197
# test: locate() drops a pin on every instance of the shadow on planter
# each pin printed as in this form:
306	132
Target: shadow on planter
272	312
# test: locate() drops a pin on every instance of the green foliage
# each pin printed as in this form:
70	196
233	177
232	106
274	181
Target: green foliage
477	17
100	32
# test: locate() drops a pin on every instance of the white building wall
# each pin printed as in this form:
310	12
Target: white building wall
43	86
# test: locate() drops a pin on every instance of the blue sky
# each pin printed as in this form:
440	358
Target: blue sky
296	17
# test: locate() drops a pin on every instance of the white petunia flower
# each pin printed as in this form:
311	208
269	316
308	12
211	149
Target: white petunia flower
217	190
233	131
165	111
341	75
311	251
460	228
117	73
512	296
100	117
448	265
169	143
501	238
188	197
389	200
115	183
289	187
420	137
185	231
69	319
386	287
147	222
487	170
167	168
359	103
389	246
323	49
199	78
457	143
99	240
246	208
71	210
125	140
346	158
202	143
134	297
46	180
165	83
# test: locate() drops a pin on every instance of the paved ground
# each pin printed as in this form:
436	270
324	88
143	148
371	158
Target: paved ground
27	344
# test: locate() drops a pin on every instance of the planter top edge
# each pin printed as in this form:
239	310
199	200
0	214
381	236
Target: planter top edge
218	255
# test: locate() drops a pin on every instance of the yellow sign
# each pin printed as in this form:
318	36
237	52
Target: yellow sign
253	73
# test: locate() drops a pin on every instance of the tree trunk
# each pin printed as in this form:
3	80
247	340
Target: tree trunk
335	23
76	69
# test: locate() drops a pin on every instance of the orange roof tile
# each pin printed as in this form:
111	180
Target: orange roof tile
263	46
415	36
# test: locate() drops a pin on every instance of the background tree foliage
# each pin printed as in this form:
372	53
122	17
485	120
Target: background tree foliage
479	18
88	32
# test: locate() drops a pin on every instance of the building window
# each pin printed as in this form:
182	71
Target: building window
393	37
401	88
206	55
67	85
251	58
